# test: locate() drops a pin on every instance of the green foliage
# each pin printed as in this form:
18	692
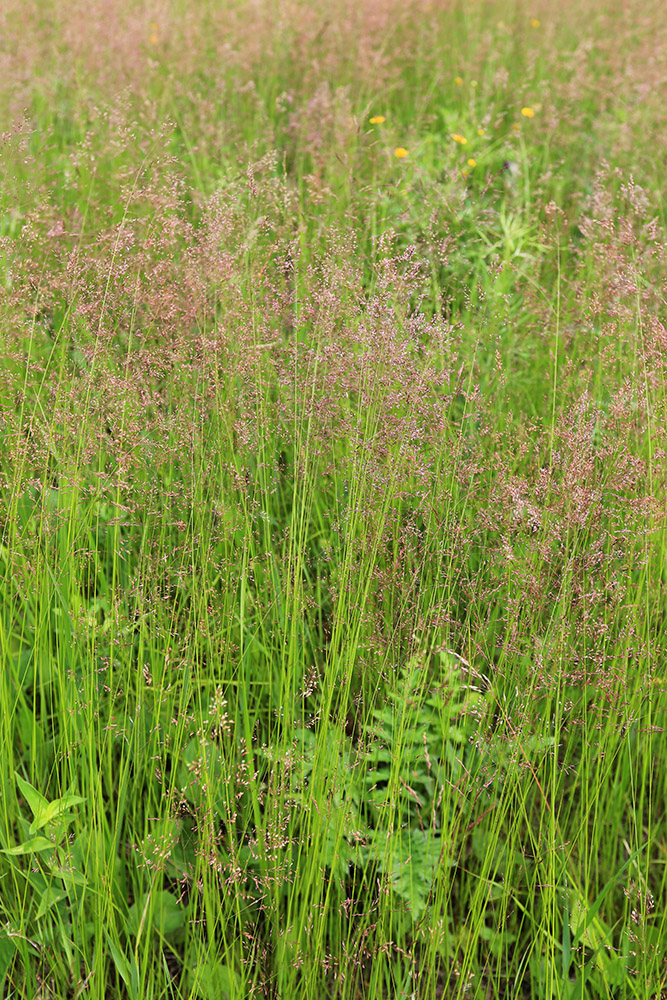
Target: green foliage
389	802
283	418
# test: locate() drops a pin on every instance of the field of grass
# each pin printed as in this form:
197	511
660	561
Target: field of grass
333	553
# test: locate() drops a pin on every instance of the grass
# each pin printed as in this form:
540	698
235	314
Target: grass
332	522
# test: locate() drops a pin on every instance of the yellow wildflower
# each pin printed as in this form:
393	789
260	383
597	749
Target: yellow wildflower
527	112
461	139
458	81
480	131
377	119
472	162
534	22
465	172
400	152
516	126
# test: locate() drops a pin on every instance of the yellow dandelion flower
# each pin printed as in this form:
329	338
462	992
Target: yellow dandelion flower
516	126
461	139
377	119
465	172
472	162
534	22
401	153
527	112
458	80
480	131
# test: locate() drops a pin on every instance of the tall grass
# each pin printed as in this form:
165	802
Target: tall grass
332	552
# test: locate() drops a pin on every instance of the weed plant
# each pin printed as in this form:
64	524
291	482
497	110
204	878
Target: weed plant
332	520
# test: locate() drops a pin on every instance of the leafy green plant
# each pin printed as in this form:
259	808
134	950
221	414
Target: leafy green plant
421	749
392	795
56	882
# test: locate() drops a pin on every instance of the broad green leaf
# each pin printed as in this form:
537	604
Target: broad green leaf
35	799
70	876
7	952
127	969
164	911
54	810
34	846
212	981
411	865
50	897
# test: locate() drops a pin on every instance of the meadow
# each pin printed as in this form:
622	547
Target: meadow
333	384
